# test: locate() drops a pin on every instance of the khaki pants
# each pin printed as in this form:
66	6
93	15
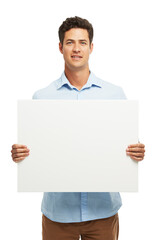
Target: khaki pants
101	229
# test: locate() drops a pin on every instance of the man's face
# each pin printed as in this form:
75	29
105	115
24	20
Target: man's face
76	49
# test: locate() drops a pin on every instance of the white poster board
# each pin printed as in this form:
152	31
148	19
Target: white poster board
77	146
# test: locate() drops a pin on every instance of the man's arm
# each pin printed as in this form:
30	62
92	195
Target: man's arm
19	152
136	151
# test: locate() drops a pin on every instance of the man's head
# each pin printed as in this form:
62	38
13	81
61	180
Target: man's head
75	22
76	45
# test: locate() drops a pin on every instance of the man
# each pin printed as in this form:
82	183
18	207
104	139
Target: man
92	215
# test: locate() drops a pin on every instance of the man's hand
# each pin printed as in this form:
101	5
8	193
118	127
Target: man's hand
19	152
136	151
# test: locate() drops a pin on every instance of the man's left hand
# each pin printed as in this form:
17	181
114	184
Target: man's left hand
136	151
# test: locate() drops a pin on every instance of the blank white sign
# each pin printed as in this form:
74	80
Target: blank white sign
77	146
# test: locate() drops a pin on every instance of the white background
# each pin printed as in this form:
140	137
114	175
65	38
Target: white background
126	53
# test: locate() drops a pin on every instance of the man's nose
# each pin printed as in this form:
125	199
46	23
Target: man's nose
76	48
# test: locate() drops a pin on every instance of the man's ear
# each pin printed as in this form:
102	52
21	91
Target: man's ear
91	48
60	47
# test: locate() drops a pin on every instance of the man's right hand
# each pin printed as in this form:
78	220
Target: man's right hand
19	152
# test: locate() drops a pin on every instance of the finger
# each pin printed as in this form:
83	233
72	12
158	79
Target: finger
135	154
18	146
135	149
20	150
139	145
18	155
137	158
18	159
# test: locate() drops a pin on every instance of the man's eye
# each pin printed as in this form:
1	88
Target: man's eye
69	42
83	43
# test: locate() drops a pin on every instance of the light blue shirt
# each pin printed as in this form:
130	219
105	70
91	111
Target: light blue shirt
80	206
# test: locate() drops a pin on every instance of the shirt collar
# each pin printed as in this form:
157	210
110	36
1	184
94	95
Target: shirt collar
92	81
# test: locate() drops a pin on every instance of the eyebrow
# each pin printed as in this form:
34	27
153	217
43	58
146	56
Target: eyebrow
72	40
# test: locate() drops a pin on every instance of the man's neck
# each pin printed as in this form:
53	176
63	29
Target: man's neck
77	78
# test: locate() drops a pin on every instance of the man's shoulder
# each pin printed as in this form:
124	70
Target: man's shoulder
47	91
105	83
111	89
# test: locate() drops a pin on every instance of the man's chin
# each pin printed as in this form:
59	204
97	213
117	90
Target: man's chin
76	67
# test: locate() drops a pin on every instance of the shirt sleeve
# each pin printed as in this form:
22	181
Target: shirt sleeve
35	96
121	94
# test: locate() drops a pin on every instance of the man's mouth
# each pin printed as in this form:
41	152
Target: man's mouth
76	56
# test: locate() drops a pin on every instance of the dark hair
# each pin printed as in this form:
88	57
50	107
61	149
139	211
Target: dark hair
75	22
